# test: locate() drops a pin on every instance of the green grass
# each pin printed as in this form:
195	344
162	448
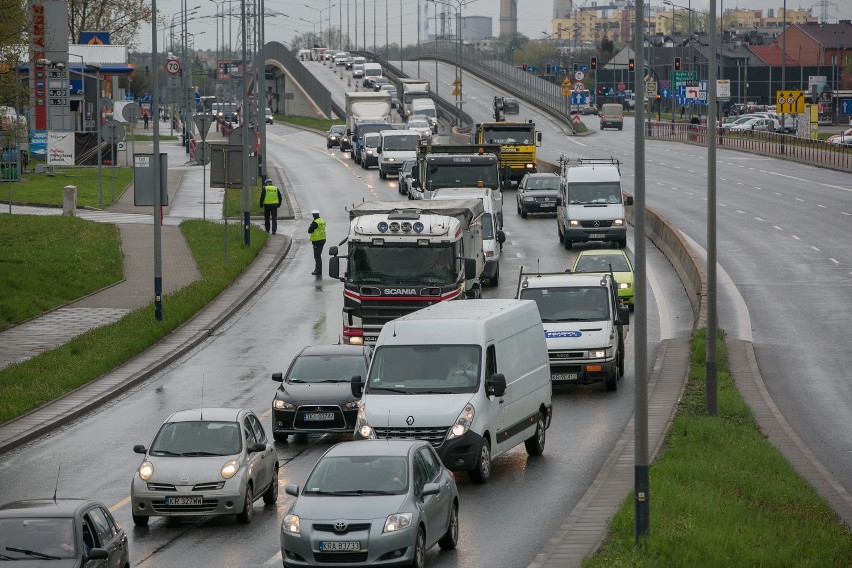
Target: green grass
308	122
48	261
234	202
721	495
27	385
44	189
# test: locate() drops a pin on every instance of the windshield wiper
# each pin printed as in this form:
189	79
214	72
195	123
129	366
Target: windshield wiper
4	557
165	453
334	381
557	320
363	492
32	553
389	389
203	454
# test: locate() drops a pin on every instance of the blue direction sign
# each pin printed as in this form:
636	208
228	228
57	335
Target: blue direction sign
583	67
846	106
578	98
665	93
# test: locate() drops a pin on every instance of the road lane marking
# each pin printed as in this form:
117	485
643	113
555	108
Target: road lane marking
120	504
275	559
811	182
814	248
834	261
758	219
779	228
797	238
799	199
741	211
845	213
823	206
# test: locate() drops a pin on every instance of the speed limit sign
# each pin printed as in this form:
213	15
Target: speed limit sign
172	66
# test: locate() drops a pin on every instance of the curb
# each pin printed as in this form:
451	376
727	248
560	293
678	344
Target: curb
189	344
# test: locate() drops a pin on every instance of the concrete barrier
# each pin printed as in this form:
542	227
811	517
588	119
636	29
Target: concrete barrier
69	201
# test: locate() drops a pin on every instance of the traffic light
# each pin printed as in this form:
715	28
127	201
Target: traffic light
677	64
631	64
576	67
659	96
524	66
593	64
549	68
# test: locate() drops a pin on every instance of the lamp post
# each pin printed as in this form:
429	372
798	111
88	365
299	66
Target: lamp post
97	71
321	10
457	5
218	5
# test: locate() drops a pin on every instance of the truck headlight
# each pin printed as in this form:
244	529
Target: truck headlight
530	166
362	427
573	223
618	223
489	254
462	423
601	353
391	160
529	199
624	285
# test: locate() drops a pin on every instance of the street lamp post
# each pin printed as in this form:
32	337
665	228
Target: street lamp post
321	10
457	5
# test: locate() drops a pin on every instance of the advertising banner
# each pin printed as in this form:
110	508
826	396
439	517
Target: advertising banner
60	148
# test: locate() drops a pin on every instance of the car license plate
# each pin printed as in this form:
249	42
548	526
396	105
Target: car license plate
340	546
564	377
318	416
173	501
597	236
548	204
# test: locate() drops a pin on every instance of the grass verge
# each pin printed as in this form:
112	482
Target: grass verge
44	189
721	495
27	385
48	261
234	202
308	122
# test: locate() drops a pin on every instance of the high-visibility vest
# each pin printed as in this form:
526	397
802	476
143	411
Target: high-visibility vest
319	232
270	195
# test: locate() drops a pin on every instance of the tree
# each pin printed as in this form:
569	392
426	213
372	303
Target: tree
607	47
512	44
122	18
14	91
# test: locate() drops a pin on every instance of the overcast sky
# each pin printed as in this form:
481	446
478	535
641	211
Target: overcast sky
533	17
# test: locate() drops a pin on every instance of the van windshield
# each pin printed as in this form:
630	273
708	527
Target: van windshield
580	303
603	193
425	369
404	142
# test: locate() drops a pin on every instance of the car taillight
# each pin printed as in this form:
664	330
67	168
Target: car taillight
353	332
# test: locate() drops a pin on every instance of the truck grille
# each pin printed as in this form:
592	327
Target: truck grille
603	224
516	159
376	314
434	436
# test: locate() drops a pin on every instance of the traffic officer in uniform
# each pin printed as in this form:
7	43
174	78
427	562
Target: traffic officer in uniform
270	200
317	232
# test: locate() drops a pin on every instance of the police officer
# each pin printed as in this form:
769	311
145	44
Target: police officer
317	232
270	200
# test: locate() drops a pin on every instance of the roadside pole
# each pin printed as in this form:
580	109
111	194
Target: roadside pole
158	254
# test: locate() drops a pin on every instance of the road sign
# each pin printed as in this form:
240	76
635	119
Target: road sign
684	76
696	91
665	86
652	88
457	82
723	90
579	87
575	119
172	66
566	91
578	98
112	131
579	75
131	112
790	102
456	91
203	123
846	106
566	82
665	93
203	153
621	86
106	103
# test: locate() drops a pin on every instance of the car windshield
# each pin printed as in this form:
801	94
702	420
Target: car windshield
425	111
338	129
26	538
601	263
542	182
407	166
371	140
197	438
401	142
425	369
359	475
418	124
578	303
392	265
461	174
508	135
604	193
326	368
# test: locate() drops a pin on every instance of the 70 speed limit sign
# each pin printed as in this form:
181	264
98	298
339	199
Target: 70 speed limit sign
172	66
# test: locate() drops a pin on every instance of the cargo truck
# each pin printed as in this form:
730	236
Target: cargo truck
364	107
410	89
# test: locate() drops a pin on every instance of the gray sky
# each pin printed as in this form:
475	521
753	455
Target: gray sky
533	17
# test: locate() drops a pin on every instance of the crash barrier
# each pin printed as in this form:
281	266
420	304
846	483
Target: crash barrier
674	247
786	146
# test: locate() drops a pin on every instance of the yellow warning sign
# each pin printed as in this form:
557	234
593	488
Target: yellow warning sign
457	82
566	91
566	83
96	41
456	91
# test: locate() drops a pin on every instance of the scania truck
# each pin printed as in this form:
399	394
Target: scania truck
401	258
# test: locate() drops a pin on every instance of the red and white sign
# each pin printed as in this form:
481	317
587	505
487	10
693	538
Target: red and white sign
579	87
172	66
575	119
621	86
579	75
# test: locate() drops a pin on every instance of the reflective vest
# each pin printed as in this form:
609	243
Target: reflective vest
319	232
270	195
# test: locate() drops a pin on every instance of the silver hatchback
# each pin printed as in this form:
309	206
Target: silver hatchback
210	461
372	502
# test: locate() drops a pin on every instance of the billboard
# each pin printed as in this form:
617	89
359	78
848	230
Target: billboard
232	69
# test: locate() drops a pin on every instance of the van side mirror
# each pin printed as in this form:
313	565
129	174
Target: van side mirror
357	386
469	268
332	251
334	267
622	315
559	202
378	149
415	184
496	384
277	377
501	236
628	200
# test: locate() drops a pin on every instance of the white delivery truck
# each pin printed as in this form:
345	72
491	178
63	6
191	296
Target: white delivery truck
590	205
584	324
471	378
396	146
369	107
410	89
492	237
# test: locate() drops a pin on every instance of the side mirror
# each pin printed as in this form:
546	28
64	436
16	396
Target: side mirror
332	251
628	200
291	489
469	268
559	202
334	267
501	236
277	377
254	448
415	184
538	137
623	315
140	449
357	386
430	489
496	384
97	554
378	150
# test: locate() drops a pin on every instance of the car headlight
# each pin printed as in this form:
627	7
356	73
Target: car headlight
529	199
618	223
283	405
362	427
599	353
462	423
146	470
230	469
397	521
624	285
369	152
350	405
489	253
573	223
291	524
391	159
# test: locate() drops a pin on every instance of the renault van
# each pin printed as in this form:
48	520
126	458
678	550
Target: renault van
395	147
471	377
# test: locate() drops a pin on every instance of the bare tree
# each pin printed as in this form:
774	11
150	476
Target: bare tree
122	18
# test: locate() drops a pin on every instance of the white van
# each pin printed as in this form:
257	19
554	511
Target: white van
371	71
590	205
470	377
426	107
492	237
357	67
396	146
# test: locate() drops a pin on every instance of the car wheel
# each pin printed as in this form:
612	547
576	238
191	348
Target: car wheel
248	508
567	242
270	496
496	280
523	213
280	437
451	537
419	560
612	381
482	471
140	520
535	443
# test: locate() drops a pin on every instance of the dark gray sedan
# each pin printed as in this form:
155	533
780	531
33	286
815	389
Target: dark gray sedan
316	395
537	193
372	502
71	532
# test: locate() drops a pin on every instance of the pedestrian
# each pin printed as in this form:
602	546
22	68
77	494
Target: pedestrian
145	119
270	200
682	111
317	232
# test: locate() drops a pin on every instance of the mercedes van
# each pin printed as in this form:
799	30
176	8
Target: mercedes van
470	377
395	147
